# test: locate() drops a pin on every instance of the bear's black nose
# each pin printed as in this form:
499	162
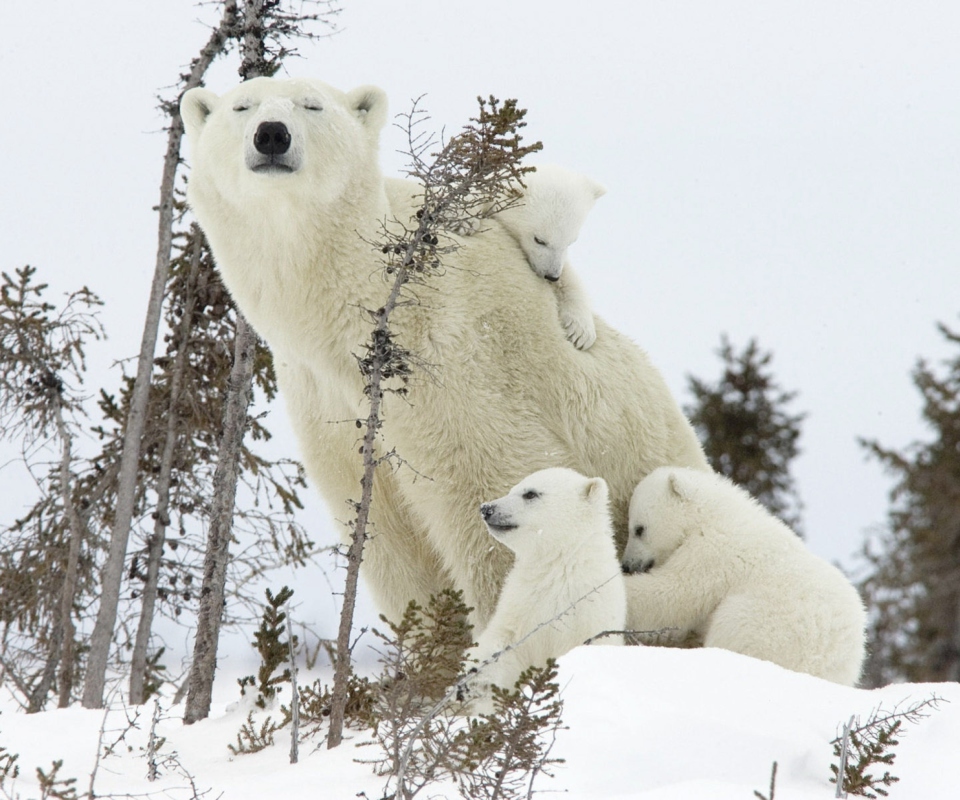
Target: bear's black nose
486	510
272	138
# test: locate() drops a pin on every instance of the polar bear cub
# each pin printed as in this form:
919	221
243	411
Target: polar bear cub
565	577
705	557
545	220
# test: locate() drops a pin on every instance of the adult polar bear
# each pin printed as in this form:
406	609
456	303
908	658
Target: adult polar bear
286	185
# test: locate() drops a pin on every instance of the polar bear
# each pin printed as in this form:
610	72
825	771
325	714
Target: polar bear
706	558
286	184
565	585
546	219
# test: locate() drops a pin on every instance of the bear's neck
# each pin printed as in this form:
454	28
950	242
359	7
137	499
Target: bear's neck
294	268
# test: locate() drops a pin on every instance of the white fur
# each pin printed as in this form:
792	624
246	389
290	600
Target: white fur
507	395
725	569
545	219
565	577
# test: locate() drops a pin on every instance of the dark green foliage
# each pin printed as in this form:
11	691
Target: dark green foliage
420	723
872	744
427	648
253	739
499	754
359	712
8	765
155	675
747	433
274	650
55	787
913	583
47	558
41	354
865	752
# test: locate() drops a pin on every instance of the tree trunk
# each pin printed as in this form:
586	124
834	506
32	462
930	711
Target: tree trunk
112	575
138	659
204	666
218	539
358	536
71	568
61	652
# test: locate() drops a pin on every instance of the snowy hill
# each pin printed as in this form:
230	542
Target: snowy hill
644	723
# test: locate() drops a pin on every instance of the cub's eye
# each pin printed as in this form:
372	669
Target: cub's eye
241	107
638	531
539	241
311	105
531	494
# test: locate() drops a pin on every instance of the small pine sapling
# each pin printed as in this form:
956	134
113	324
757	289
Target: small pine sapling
52	786
253	739
419	722
503	752
274	651
862	746
425	653
9	769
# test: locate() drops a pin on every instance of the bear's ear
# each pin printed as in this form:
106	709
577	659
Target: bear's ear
595	490
370	104
195	107
676	487
598	190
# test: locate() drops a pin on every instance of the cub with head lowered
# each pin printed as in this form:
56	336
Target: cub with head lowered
565	586
706	558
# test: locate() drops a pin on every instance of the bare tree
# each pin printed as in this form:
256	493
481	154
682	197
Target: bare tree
265	26
138	659
112	574
469	176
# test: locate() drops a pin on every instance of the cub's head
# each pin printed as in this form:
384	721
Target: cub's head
550	509
266	137
663	511
549	215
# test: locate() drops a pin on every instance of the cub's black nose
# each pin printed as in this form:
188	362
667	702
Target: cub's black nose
486	510
272	138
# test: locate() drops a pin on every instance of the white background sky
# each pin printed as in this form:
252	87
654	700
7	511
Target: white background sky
780	170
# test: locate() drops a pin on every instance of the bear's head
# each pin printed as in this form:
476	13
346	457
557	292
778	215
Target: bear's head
549	214
269	139
664	510
550	509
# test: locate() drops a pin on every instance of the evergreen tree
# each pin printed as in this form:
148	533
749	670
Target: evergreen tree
913	585
45	558
746	430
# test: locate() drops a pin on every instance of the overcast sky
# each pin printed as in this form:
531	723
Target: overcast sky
776	170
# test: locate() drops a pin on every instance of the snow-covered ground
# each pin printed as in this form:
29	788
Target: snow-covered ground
650	723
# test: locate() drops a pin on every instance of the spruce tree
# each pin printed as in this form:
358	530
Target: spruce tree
913	584
747	431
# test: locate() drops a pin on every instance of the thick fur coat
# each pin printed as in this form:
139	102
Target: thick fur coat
708	559
565	585
507	394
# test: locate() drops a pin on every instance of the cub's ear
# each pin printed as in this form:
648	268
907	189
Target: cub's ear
677	488
370	104
195	107
598	190
595	490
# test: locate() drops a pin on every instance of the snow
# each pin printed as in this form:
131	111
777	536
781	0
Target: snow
640	722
